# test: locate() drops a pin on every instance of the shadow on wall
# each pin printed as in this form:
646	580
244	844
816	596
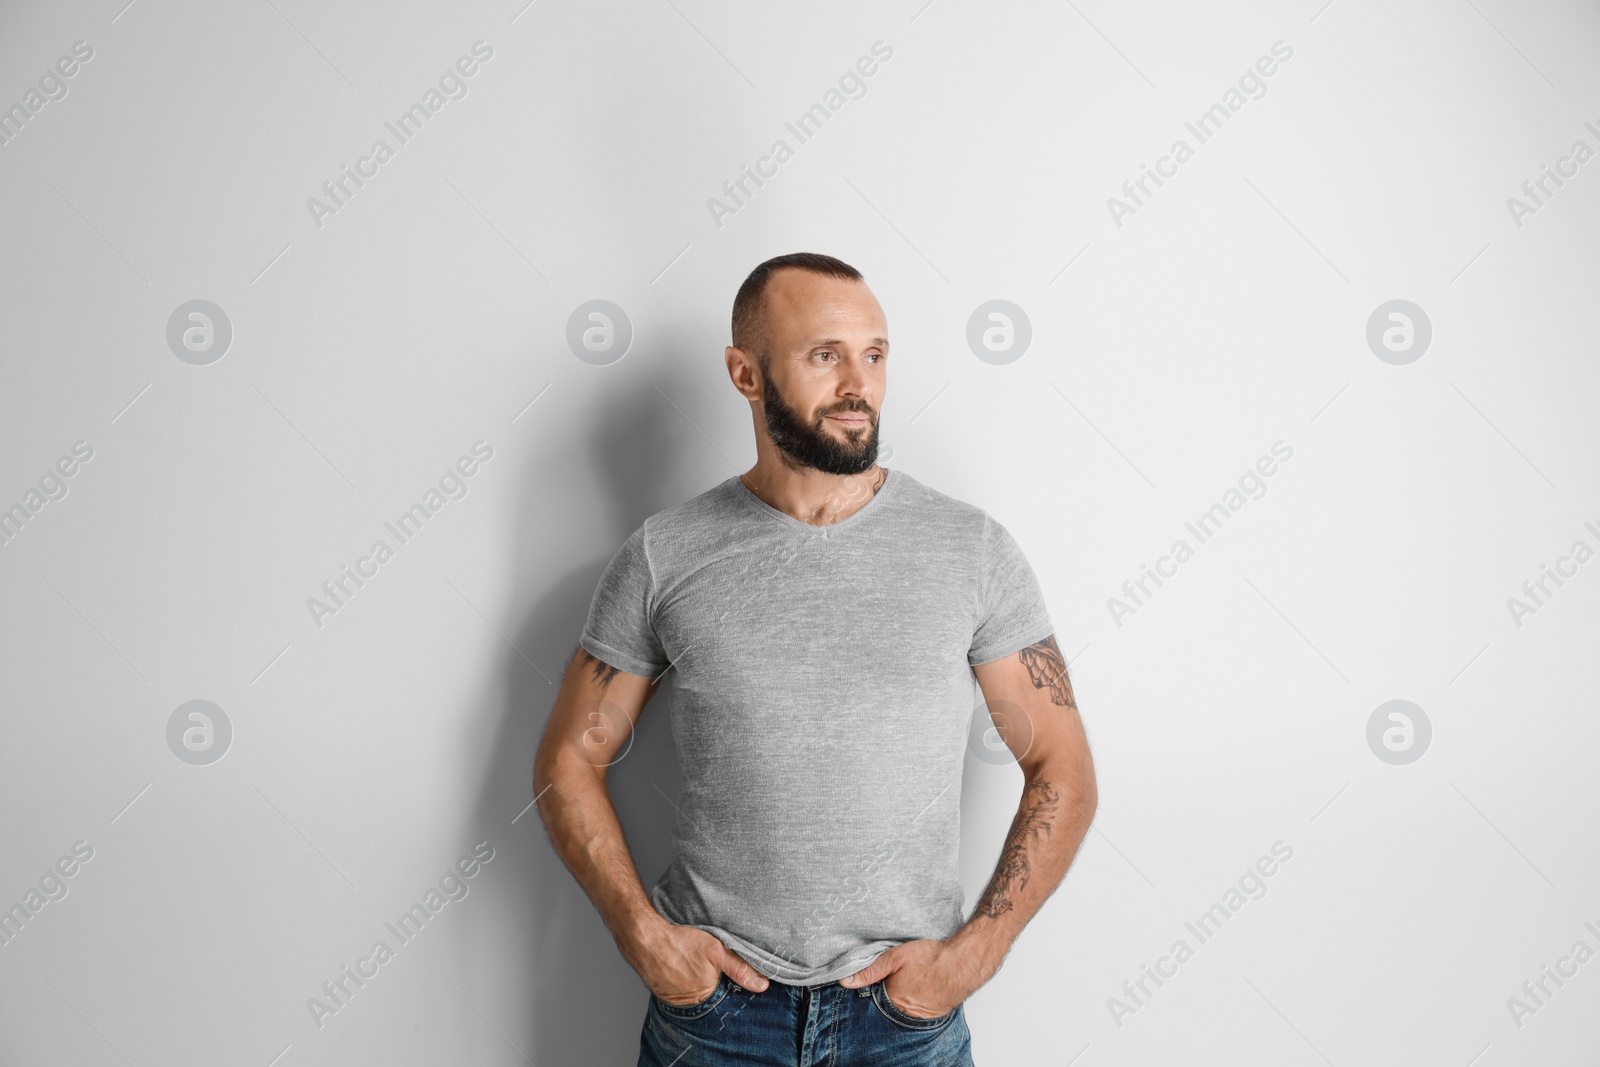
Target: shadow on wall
584	1004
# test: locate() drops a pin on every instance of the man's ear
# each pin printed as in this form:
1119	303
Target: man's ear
742	372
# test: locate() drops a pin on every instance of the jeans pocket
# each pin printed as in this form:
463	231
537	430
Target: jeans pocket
880	998
697	1009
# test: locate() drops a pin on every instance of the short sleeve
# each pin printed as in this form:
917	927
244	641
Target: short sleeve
1011	610
619	629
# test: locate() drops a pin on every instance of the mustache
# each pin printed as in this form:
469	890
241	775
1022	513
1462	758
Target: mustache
859	408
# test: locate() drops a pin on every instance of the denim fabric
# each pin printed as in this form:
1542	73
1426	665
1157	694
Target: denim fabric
800	1026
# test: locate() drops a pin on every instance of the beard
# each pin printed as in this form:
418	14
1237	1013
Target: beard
811	445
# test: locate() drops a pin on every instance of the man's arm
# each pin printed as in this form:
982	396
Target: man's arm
593	717
1058	795
1031	701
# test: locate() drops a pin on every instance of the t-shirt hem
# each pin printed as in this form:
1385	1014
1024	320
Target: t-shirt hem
619	659
779	970
776	968
1002	649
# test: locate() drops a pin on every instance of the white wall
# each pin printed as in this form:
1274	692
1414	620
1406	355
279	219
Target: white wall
1171	347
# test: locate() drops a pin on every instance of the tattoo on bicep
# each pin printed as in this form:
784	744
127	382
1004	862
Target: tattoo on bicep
1047	668
603	671
1035	816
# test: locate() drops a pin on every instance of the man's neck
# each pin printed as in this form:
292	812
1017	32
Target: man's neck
812	496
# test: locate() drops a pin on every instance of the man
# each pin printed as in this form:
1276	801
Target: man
826	618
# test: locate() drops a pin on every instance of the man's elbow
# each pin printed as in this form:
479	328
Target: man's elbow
558	765
1084	782
548	765
1075	779
1088	798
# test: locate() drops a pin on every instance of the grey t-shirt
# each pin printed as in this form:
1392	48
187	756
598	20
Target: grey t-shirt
821	704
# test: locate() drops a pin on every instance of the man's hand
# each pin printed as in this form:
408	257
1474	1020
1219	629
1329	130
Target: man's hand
682	964
924	978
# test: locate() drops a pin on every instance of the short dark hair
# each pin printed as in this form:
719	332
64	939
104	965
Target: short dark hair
749	305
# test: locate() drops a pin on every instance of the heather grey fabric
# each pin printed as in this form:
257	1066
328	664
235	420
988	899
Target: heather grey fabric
821	701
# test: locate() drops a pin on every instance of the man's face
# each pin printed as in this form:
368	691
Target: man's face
826	370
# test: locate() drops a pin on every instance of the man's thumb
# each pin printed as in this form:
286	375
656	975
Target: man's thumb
741	972
878	968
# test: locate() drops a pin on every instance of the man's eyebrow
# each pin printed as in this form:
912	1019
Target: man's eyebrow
882	342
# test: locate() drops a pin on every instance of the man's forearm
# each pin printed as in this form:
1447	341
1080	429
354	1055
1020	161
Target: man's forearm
577	813
1052	818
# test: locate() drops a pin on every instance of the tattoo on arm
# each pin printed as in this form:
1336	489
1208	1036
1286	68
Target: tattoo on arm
1048	670
603	671
1035	816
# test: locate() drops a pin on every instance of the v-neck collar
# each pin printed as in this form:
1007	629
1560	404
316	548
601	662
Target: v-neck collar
891	479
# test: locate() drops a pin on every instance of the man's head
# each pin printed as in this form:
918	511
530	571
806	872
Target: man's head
810	345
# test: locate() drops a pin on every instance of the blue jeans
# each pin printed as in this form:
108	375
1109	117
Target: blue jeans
800	1026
